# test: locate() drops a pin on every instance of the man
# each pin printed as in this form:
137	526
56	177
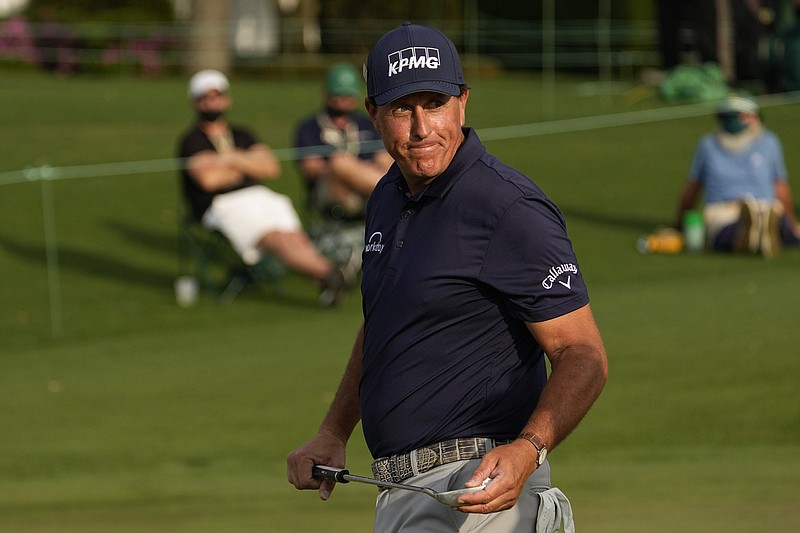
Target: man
740	168
338	149
222	175
469	279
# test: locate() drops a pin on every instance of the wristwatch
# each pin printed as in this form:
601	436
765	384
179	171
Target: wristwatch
538	444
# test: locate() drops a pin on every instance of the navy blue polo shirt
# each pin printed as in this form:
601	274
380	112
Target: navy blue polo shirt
449	279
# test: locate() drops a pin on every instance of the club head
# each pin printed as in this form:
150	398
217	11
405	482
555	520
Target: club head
451	497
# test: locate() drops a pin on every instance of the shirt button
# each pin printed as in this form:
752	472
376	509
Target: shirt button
406	213
399	244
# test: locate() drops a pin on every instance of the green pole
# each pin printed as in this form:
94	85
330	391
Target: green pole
51	248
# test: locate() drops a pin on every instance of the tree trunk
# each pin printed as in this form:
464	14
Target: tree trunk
726	45
209	39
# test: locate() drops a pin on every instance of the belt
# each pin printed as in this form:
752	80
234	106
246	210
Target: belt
397	468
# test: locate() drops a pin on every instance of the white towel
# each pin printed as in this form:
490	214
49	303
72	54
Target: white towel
555	513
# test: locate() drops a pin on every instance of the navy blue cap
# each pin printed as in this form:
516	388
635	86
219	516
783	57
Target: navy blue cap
412	59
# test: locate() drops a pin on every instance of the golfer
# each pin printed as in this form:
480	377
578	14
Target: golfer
469	282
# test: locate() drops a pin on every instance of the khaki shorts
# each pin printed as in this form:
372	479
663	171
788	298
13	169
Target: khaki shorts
719	215
246	215
399	510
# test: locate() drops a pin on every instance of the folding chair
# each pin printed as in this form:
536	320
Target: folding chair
208	256
341	241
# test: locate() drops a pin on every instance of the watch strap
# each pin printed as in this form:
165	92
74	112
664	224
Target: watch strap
537	443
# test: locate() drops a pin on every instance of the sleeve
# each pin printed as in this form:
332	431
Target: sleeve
191	143
307	141
530	260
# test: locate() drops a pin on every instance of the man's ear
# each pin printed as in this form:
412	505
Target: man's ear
372	111
463	102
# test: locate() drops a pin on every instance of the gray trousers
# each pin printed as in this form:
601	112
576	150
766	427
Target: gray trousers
412	512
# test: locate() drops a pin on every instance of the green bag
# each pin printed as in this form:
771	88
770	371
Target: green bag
694	83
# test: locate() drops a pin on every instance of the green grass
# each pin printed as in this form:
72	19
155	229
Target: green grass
147	417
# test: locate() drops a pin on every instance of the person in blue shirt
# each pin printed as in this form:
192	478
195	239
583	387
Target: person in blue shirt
470	284
741	174
339	153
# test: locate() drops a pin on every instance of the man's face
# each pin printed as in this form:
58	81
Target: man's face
213	101
341	104
422	132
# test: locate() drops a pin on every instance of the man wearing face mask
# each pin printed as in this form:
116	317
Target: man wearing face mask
224	167
748	206
339	152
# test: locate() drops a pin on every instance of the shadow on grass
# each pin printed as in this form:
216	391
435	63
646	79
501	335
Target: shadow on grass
612	220
96	264
88	262
163	243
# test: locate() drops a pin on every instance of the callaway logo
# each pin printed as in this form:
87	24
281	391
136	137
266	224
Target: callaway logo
414	57
375	244
555	272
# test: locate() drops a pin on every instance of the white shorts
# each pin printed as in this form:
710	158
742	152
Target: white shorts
246	215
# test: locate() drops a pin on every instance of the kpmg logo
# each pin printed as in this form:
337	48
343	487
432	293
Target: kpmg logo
374	244
413	57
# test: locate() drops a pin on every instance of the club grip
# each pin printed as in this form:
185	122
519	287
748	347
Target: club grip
330	473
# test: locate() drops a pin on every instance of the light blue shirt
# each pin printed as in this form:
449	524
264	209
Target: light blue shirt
727	175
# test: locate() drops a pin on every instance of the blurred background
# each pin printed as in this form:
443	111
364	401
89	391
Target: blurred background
748	38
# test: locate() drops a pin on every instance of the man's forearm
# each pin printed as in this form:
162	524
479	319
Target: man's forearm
575	383
257	162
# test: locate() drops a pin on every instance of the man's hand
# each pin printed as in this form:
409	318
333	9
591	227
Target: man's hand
509	466
324	449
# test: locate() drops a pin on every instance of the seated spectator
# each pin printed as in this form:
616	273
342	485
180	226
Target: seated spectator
224	166
748	206
338	170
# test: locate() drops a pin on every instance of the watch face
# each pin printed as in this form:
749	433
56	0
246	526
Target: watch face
542	455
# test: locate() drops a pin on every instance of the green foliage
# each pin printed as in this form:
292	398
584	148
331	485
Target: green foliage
147	417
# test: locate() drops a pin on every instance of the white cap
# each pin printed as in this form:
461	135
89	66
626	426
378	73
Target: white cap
737	104
207	80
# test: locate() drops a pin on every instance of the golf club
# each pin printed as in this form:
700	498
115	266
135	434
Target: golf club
342	475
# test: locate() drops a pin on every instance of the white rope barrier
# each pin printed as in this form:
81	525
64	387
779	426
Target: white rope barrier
46	172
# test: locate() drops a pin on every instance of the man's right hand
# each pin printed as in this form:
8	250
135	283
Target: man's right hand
324	449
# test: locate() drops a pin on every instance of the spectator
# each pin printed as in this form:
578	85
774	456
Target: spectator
222	175
339	171
748	204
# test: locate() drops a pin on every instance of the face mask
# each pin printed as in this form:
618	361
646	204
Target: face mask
209	116
339	112
731	123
